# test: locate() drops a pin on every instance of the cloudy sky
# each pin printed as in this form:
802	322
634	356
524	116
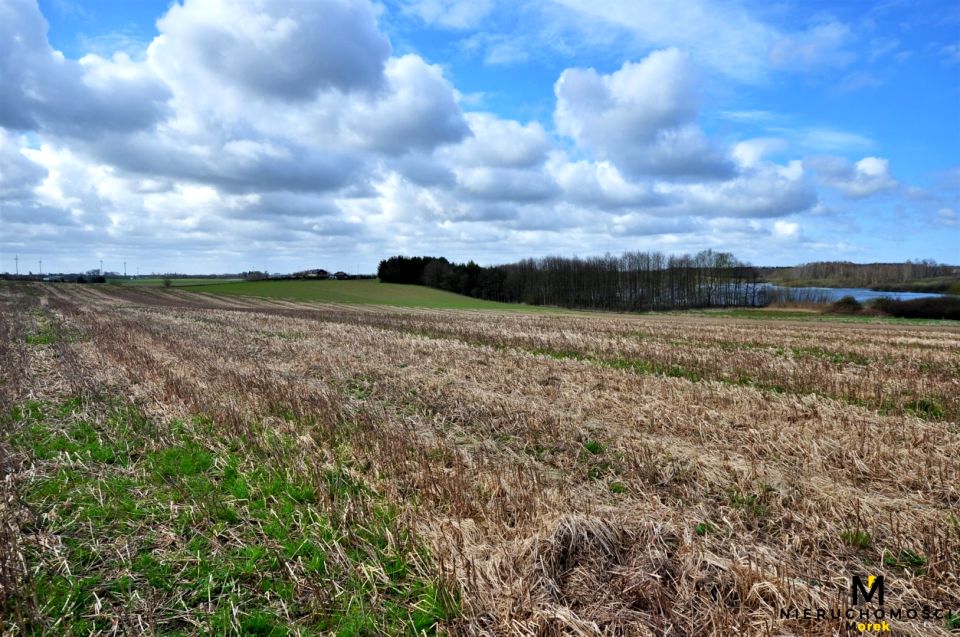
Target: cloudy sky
226	135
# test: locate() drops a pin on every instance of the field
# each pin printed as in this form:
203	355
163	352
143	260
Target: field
174	282
179	462
363	292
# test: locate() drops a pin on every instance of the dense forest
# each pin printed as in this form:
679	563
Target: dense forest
630	282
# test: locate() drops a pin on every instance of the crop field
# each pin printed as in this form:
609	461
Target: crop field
177	462
174	282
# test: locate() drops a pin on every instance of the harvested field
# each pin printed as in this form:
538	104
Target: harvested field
180	462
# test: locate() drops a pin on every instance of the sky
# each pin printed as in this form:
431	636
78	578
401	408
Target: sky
206	136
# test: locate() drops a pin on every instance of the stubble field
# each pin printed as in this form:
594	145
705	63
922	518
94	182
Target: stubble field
183	463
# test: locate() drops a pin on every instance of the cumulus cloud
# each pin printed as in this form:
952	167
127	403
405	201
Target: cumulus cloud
500	142
298	115
420	111
864	178
786	229
641	117
601	185
284	48
751	152
288	127
19	175
44	91
639	224
506	184
231	163
769	190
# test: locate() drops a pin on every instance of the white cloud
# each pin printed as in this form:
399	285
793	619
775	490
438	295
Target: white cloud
281	48
721	35
455	14
499	142
601	185
786	229
419	111
43	91
289	128
948	217
506	184
950	53
768	190
866	177
641	117
821	46
19	175
750	152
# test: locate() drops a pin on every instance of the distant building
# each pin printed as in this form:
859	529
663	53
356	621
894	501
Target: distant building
340	276
317	273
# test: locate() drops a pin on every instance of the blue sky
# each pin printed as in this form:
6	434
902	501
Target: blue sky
222	136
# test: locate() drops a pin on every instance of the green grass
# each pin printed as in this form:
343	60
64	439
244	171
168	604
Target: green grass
214	535
703	528
753	504
905	559
158	281
837	358
48	330
856	538
365	292
594	447
952	621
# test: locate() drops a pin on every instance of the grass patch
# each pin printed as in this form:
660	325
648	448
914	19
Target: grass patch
704	528
750	503
48	330
199	538
365	292
44	332
856	538
905	559
594	447
952	621
837	358
925	408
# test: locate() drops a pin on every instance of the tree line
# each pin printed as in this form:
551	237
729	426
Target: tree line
864	275
633	281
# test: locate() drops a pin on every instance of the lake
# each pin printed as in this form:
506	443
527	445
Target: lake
860	294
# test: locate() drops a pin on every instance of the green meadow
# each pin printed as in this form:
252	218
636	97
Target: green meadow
364	292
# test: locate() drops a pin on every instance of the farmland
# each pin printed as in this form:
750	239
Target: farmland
363	292
193	463
174	282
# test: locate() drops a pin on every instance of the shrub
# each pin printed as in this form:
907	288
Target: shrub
935	307
846	305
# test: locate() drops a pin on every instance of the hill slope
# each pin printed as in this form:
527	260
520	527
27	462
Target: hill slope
364	292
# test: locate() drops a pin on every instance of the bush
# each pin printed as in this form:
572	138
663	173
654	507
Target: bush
846	305
936	307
